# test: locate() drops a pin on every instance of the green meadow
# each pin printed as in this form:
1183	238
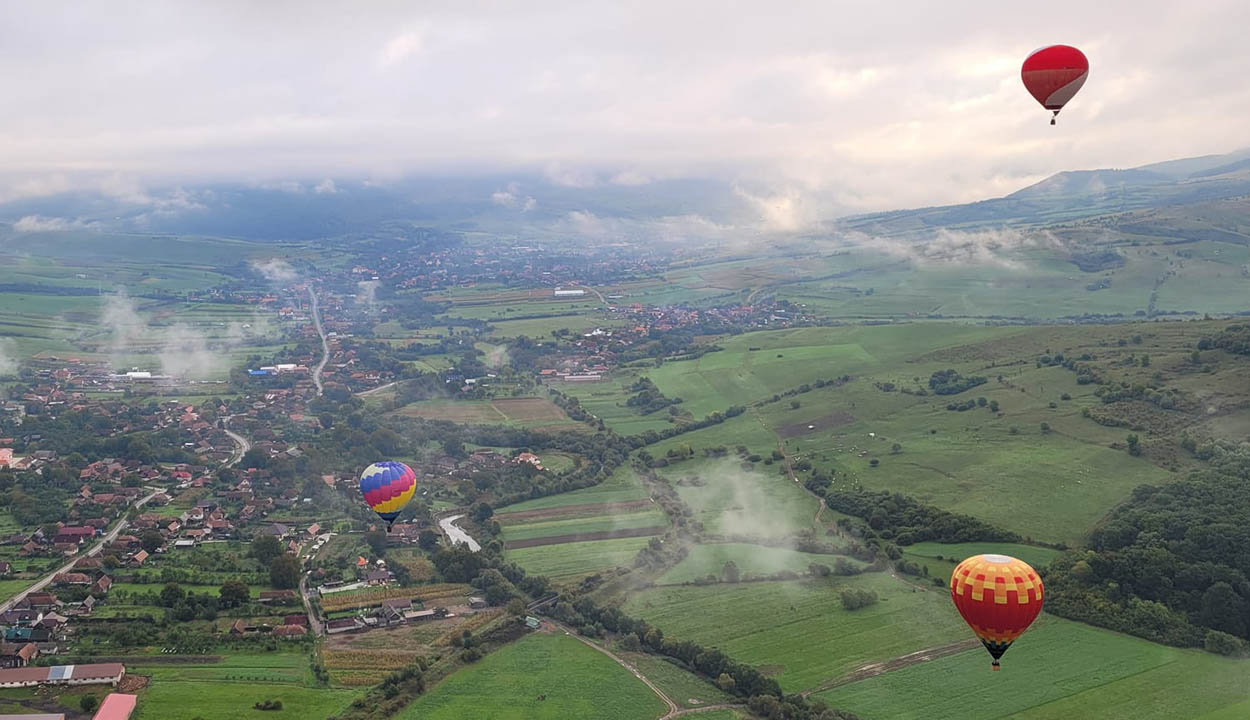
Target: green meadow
541	676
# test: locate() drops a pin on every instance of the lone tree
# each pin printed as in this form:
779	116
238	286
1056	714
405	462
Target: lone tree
427	540
233	593
1045	428
729	573
89	703
265	548
284	572
377	542
1134	445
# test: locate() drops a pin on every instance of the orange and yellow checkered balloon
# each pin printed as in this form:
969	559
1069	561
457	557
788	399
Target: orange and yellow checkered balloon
999	597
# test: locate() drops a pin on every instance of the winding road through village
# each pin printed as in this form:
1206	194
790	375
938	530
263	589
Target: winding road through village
325	345
107	538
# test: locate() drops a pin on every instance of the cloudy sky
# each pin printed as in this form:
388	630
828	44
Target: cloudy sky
868	105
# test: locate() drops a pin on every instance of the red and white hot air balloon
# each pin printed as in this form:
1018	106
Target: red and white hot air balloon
1053	74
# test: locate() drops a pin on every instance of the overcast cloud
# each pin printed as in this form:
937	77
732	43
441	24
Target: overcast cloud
852	106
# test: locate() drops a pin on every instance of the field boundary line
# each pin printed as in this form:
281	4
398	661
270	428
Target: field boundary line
673	710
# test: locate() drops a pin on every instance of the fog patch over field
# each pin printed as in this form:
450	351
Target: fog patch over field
991	248
497	357
120	316
734	500
276	271
367	294
182	350
8	356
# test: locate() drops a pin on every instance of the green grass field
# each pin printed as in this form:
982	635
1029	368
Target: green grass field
1031	554
798	630
685	688
571	560
622	486
577	682
653	517
1059	669
227	689
704	560
733	502
188	700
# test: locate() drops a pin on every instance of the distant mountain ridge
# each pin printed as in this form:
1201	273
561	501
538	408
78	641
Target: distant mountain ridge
1075	194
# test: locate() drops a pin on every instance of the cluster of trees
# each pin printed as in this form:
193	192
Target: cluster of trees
651	437
648	399
905	520
856	598
950	382
970	404
1234	339
808	387
1170	564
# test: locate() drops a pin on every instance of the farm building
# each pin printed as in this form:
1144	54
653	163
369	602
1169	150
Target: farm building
343	625
569	293
116	706
35	716
96	674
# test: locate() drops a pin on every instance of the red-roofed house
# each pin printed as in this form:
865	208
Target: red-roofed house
116	706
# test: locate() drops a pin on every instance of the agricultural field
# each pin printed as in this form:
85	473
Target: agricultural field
447	593
225	687
797	631
543	675
1059	480
569	562
733	502
577	533
941	558
685	688
527	412
1058	669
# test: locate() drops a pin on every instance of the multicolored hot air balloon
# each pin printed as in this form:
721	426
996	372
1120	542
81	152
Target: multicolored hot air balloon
999	597
1053	74
387	487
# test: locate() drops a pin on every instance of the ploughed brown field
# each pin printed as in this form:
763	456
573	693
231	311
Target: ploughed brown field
824	422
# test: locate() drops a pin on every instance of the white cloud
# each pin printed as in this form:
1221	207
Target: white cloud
400	48
276	271
829	105
326	187
39	223
511	198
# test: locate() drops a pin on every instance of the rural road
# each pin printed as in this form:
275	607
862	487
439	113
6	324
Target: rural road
455	534
672	706
673	710
325	346
380	388
242	443
305	594
107	538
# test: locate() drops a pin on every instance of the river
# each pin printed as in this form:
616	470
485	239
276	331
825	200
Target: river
458	536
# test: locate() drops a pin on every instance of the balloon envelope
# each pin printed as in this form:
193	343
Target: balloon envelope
1053	74
387	487
998	596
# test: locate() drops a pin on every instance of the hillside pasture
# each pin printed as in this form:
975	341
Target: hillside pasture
1058	670
541	676
797	631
